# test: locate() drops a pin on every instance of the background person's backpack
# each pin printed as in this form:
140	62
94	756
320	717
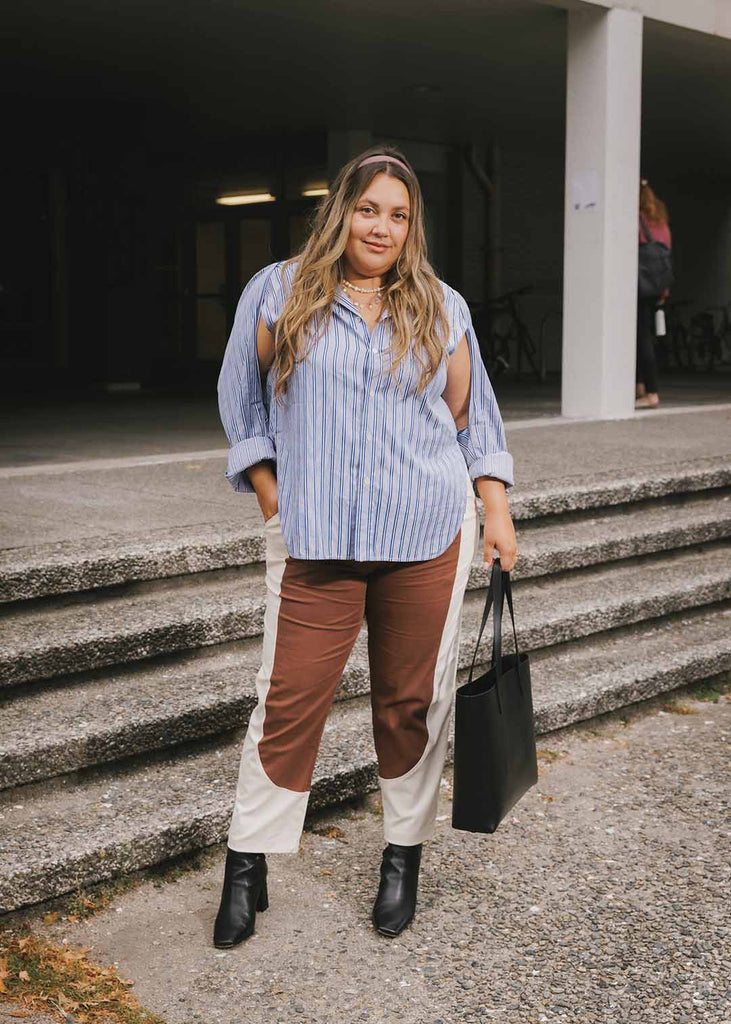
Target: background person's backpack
655	271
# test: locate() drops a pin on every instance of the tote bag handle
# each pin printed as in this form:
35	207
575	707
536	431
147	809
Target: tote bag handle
500	588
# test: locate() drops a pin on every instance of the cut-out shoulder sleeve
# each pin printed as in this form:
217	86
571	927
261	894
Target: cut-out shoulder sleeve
240	399
482	441
276	292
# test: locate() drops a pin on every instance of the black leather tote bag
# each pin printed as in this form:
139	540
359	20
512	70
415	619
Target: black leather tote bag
494	743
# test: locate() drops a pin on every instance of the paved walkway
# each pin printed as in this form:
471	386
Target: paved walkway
168	480
603	898
62	429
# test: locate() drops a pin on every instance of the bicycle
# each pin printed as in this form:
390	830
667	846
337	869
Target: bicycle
674	348
499	328
719	353
702	341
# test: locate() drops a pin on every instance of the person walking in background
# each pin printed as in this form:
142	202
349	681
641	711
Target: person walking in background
358	409
654	230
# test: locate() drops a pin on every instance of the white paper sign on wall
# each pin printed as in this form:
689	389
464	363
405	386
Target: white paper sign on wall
585	191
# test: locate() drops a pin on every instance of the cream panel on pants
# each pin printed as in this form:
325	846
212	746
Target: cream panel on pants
410	801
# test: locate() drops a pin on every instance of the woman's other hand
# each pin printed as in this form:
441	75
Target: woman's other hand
499	529
264	482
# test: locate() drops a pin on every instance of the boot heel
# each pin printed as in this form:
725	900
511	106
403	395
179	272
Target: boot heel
263	901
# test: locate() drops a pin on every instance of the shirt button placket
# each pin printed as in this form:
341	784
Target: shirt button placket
367	461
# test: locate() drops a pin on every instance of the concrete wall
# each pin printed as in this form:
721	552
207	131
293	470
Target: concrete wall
532	231
700	219
532	217
531	226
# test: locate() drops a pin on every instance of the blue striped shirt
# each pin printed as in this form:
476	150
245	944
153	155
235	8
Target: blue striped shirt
366	469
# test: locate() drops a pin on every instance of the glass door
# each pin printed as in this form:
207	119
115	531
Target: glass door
228	251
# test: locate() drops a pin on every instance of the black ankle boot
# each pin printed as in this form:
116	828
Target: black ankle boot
396	900
244	892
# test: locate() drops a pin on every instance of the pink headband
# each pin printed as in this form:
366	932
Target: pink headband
380	158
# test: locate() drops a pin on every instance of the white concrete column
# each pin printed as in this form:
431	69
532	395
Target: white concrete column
603	112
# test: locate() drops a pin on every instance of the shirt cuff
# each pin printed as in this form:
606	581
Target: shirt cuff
244	454
498	464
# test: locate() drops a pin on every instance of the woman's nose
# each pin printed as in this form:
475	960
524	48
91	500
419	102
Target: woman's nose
380	227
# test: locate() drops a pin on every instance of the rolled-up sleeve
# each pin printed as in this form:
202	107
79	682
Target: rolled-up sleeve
482	441
241	402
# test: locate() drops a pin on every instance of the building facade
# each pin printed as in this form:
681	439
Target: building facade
528	123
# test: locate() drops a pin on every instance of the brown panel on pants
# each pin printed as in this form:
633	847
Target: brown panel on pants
320	616
406	611
321	611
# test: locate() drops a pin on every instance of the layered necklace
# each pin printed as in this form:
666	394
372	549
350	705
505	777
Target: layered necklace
375	299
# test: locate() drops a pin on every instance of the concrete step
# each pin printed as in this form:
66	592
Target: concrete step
82	828
572	541
69	567
574	494
27	573
55	636
102	716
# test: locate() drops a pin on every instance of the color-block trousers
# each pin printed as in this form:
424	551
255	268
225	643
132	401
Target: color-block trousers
314	613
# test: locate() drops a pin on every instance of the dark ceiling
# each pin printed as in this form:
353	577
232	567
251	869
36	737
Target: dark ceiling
441	70
445	70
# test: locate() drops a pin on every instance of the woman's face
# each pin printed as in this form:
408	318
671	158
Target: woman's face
379	227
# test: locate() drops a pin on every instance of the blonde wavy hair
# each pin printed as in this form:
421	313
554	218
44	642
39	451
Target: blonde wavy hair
413	292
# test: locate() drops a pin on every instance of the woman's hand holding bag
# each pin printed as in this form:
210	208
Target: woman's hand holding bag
499	532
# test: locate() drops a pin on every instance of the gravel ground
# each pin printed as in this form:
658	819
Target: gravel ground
604	897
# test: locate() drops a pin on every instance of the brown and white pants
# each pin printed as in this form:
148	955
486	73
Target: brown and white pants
314	613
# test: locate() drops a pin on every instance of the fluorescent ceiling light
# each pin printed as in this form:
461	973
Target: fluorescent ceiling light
312	192
243	198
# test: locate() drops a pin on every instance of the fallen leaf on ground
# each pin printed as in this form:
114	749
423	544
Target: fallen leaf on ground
75	954
678	709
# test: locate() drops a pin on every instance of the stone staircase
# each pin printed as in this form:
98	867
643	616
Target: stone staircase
127	667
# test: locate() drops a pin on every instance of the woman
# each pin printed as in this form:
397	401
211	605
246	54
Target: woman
653	226
354	372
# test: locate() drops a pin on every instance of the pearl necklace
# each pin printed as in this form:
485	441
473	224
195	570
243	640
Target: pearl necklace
357	287
373	302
